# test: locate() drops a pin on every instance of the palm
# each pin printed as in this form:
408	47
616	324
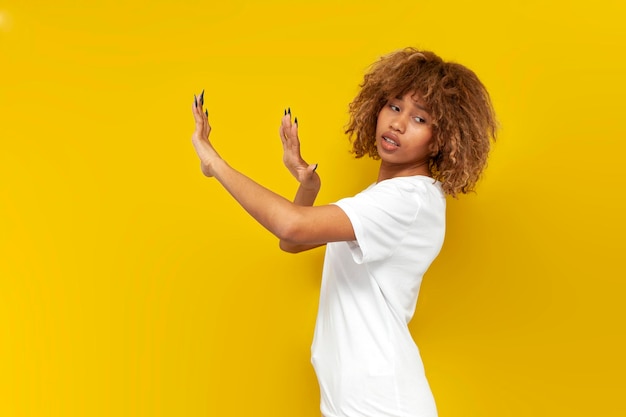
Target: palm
292	158
200	138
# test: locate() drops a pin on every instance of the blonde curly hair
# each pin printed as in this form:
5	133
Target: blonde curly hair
463	118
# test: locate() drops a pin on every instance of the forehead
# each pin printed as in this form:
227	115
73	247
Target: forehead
417	99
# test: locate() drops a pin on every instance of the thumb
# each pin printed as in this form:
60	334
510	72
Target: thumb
311	169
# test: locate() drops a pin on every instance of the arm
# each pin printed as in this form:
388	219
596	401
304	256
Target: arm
304	198
293	223
308	179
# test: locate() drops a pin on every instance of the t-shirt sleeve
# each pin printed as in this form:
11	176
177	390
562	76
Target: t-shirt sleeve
381	217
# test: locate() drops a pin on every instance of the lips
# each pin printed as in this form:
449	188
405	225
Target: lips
390	141
386	139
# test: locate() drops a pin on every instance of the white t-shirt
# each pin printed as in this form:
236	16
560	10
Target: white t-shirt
366	361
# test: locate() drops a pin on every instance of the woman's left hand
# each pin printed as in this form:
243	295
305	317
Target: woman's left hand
200	138
292	158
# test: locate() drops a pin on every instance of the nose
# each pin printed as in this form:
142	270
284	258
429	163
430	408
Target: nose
398	124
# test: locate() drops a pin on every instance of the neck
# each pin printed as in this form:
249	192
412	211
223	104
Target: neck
388	171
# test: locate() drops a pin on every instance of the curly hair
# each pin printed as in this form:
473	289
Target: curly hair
463	118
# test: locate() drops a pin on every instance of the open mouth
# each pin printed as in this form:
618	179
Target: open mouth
386	139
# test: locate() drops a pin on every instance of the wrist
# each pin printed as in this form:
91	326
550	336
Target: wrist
212	166
217	166
310	188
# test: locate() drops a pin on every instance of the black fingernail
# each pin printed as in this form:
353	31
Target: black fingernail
285	112
206	112
296	120
202	97
289	110
195	101
315	168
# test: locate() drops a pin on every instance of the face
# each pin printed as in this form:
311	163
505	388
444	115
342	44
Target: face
403	135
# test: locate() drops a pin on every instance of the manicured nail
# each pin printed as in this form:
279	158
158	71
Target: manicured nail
289	110
315	167
296	120
285	112
202	97
206	112
195	101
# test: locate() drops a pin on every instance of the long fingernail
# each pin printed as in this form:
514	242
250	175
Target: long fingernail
296	120
202	97
285	112
315	167
206	112
289	110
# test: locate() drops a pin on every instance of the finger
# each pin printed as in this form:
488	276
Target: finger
198	102
205	117
294	129
285	126
288	126
194	106
201	116
281	129
292	135
197	109
203	112
286	121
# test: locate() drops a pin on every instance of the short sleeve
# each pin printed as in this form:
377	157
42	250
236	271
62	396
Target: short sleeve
381	217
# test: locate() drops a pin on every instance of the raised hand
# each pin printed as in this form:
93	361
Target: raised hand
303	172
200	137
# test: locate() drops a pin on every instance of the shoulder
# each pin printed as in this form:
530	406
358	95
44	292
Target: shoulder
385	213
418	188
399	198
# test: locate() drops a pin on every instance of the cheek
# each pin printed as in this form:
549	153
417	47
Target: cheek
433	147
429	134
379	118
429	137
423	135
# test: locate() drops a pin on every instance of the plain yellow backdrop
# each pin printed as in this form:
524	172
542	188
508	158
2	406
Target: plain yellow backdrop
132	286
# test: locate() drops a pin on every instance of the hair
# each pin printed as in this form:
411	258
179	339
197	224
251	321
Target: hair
463	118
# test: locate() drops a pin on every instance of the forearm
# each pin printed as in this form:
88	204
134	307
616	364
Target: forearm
305	196
271	210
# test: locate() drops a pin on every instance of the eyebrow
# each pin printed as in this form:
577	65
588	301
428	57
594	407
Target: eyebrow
419	106
416	104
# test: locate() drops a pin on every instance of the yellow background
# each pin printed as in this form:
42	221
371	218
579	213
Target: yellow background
132	286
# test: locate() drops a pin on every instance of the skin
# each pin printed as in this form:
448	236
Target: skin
299	225
405	121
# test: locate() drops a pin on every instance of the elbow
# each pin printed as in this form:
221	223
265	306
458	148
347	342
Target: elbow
291	238
288	247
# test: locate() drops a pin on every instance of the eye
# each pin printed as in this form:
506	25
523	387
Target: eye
419	119
394	107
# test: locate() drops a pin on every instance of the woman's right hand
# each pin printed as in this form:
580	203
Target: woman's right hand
200	138
303	172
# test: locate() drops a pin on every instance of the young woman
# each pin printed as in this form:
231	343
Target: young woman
430	123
